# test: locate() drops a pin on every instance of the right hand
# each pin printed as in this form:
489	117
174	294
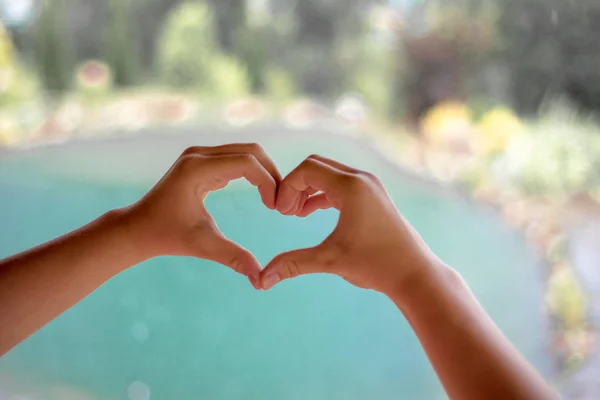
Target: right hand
171	219
372	246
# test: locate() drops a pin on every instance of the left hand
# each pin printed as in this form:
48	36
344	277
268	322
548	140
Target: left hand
372	246
171	218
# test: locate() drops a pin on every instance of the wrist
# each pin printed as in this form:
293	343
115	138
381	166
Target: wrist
429	278
133	232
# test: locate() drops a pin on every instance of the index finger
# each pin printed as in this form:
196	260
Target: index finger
311	173
228	167
239	148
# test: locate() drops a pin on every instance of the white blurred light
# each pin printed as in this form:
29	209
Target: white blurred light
139	331
351	109
16	12
138	391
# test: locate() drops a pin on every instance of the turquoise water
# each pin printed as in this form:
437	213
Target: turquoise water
189	329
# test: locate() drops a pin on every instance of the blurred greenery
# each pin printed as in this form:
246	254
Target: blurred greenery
52	51
560	156
552	48
187	46
122	56
189	56
502	94
486	52
567	300
17	85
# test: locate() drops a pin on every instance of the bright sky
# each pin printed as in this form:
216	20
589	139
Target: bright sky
15	11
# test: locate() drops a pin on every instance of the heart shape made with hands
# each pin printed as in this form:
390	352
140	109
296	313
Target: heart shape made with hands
191	231
317	183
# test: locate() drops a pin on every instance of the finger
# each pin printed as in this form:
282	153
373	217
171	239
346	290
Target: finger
301	199
311	173
292	264
314	203
311	190
299	203
224	251
225	168
239	148
334	164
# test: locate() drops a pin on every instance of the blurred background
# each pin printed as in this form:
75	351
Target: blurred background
481	116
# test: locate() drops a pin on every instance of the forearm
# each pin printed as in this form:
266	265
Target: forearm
470	355
39	284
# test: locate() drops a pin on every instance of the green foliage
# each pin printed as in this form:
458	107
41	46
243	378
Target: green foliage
187	46
373	78
16	84
553	47
228	78
253	53
22	87
189	57
561	156
6	50
51	48
121	53
566	299
316	69
279	84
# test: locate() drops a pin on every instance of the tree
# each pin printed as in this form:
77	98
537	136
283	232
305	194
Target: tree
553	47
122	53
187	45
321	29
190	58
52	52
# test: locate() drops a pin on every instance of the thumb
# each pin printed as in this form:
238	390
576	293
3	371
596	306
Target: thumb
292	264
224	251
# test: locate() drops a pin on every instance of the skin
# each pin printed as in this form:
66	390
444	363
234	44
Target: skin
38	285
372	247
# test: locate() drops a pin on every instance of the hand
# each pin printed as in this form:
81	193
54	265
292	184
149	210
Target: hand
171	218
372	246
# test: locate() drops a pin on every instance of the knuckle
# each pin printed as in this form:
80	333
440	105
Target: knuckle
234	264
292	268
352	182
313	156
191	150
363	181
245	158
367	175
255	147
251	159
187	162
371	178
309	163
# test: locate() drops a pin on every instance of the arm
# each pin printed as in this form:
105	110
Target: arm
39	284
468	352
373	247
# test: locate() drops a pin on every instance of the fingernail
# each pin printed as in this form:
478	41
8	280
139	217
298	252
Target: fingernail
270	280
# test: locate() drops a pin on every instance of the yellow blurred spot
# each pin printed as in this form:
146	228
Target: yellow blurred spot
8	135
565	298
6	49
497	128
448	124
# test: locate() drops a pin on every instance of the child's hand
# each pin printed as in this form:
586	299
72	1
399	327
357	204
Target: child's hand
171	218
372	246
